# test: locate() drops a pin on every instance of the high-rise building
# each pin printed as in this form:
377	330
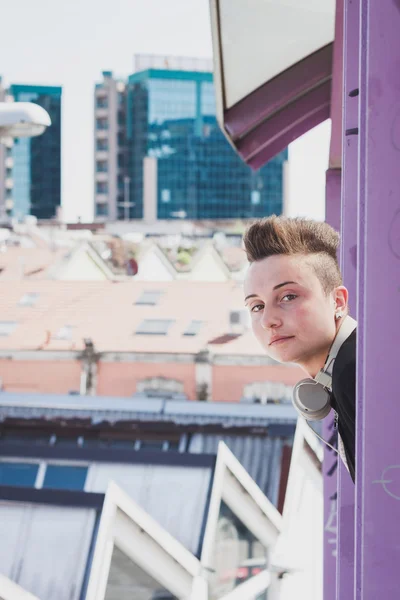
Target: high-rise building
32	182
6	163
171	160
180	162
109	152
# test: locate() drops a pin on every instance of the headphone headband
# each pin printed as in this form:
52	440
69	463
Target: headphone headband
324	377
311	397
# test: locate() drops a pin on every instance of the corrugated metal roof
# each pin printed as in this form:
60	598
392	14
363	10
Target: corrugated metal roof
112	409
260	456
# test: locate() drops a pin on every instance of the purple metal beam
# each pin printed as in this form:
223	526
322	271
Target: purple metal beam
274	134
378	409
346	490
335	148
281	91
281	110
329	474
330	463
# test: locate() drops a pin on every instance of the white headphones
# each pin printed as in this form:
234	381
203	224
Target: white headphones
311	397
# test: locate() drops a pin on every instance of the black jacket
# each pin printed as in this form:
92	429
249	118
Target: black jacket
343	399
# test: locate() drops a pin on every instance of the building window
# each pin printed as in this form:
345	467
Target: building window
102	187
102	123
18	474
7	327
121	160
29	299
124	574
267	392
194	328
102	102
161	385
152	445
102	144
64	333
149	298
65	477
238	555
101	166
165	195
154	326
101	210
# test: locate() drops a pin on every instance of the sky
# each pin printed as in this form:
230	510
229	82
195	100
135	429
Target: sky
54	42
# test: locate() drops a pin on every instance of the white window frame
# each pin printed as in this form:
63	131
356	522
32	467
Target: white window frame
12	591
126	525
234	486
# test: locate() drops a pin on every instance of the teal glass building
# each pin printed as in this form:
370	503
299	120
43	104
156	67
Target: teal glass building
171	116
37	161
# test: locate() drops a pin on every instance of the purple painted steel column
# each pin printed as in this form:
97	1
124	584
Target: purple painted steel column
333	217
378	419
330	463
346	490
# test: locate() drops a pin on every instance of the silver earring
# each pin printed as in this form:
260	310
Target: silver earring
338	315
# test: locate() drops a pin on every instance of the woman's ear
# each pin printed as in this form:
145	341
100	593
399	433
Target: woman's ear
341	297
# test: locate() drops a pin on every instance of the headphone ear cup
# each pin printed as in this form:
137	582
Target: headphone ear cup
311	400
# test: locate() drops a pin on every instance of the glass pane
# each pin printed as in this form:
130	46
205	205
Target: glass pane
7	327
29	299
149	297
20	474
173	446
154	326
62	477
126	581
151	444
238	555
193	328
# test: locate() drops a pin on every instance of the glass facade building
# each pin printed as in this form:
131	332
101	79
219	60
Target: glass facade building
37	161
171	117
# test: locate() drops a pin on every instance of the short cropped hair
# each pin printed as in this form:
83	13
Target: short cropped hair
283	235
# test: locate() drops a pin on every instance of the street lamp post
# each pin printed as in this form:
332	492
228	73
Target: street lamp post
22	119
19	120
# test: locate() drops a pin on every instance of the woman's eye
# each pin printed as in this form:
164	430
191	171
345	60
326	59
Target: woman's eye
257	307
289	298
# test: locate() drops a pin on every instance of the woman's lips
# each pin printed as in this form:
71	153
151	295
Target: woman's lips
281	340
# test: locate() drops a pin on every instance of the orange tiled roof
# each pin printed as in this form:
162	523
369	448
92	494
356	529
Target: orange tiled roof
106	312
31	263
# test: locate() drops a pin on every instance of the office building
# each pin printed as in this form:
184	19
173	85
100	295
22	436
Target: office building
160	153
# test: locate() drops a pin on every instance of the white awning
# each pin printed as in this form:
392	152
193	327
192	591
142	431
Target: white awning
268	54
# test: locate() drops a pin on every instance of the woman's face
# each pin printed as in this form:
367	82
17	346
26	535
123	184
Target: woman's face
292	316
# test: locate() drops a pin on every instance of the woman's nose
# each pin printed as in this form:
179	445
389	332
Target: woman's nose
270	319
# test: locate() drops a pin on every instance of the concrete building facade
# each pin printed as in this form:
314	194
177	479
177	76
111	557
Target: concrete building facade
109	147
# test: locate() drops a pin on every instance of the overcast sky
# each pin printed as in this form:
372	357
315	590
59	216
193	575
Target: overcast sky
70	43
